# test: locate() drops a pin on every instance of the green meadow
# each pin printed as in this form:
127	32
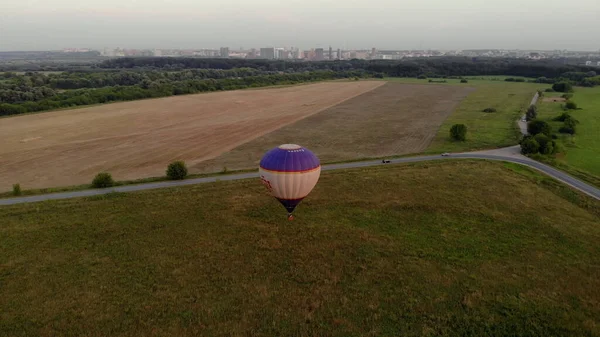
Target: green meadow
485	130
454	248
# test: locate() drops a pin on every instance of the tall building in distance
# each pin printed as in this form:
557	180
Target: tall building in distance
224	52
330	53
319	54
296	53
267	53
278	53
252	54
339	54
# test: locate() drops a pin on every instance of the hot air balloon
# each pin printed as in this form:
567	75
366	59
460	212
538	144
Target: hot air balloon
290	172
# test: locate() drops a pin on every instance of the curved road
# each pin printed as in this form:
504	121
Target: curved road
508	154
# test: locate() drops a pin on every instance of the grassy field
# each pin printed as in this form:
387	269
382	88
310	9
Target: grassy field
485	130
394	119
582	149
424	249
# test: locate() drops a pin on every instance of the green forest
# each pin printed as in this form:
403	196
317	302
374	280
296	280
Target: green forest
124	79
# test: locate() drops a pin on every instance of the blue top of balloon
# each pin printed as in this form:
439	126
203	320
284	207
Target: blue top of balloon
289	158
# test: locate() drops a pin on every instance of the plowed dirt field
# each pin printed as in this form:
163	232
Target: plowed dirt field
138	139
393	119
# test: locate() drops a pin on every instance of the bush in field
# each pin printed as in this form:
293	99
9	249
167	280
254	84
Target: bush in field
570	105
567	96
570	121
549	90
177	170
536	126
458	132
570	125
567	130
422	77
562	87
546	144
489	110
464	81
103	180
549	148
529	145
531	113
16	189
564	116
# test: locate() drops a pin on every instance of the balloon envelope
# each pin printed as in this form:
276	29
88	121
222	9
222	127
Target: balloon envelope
290	172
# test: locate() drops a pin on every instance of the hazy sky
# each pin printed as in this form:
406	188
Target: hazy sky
384	24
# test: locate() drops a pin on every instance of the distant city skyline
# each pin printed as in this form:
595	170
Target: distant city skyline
316	46
321	54
334	47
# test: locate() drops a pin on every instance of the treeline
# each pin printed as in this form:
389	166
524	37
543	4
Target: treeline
135	78
432	67
588	79
180	63
99	79
33	86
79	97
541	136
429	67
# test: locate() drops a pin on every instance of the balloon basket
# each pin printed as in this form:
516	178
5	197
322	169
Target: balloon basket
290	217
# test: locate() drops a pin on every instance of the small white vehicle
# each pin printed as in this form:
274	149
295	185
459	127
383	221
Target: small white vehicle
445	154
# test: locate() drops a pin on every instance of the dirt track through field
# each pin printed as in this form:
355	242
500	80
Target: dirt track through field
393	119
138	139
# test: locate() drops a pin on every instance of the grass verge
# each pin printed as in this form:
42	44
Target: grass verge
117	183
443	249
582	150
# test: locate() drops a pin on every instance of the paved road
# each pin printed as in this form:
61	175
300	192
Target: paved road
535	99
509	154
520	122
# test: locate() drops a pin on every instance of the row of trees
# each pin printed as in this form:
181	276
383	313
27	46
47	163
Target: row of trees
565	82
540	138
544	70
430	67
135	78
26	94
584	79
569	123
99	79
154	89
538	143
